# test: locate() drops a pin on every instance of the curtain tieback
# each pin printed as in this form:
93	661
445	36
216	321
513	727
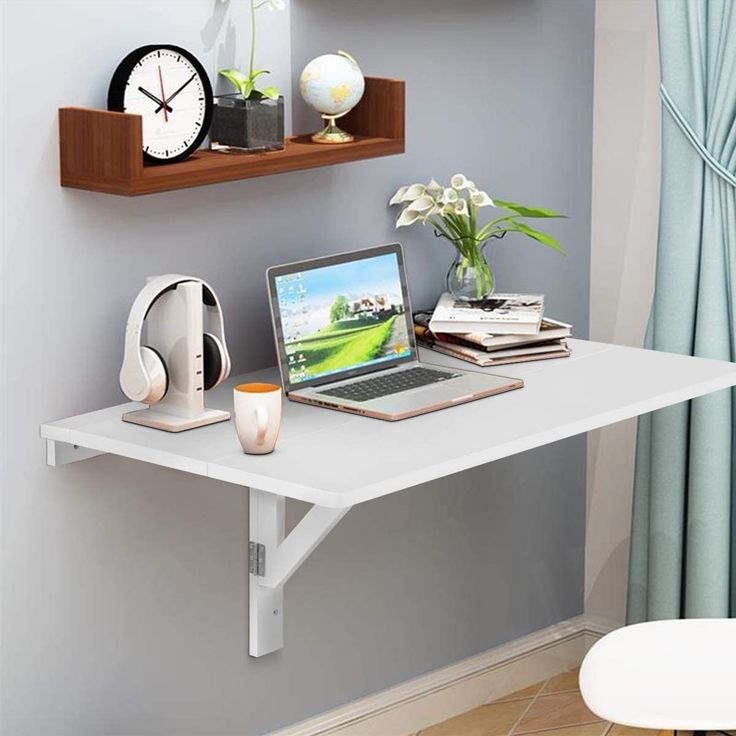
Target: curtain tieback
697	144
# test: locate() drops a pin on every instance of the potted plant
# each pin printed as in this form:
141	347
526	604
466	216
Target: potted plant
251	119
453	213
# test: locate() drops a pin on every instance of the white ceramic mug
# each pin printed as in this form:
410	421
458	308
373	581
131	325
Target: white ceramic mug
257	416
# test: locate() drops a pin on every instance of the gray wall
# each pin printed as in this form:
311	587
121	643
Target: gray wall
124	586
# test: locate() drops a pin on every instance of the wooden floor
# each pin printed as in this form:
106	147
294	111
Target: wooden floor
550	708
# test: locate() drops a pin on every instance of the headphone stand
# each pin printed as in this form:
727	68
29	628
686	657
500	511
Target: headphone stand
175	328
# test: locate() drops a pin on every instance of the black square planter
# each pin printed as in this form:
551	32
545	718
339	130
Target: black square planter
247	126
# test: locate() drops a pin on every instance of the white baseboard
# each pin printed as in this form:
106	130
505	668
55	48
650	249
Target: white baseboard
447	692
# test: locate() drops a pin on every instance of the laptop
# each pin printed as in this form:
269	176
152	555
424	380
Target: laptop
345	339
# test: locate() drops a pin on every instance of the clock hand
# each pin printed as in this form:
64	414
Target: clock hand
174	94
154	98
163	94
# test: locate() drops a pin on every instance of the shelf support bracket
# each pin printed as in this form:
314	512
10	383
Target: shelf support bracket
63	453
274	558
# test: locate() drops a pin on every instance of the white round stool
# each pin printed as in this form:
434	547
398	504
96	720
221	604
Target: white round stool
674	675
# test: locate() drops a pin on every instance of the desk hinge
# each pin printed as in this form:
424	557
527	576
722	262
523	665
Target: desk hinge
257	559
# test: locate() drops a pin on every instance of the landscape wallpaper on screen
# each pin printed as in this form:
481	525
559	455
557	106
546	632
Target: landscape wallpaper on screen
341	317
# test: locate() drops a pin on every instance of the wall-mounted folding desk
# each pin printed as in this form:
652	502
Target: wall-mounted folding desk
321	456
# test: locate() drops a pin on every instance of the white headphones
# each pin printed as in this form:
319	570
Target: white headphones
143	375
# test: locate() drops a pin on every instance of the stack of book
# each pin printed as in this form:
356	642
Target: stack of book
505	328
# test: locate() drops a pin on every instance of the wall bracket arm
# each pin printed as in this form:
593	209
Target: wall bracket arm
275	558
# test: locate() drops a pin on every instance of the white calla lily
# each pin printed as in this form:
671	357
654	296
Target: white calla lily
398	197
461	207
459	182
471	185
434	189
481	199
409	217
448	209
422	204
450	195
414	192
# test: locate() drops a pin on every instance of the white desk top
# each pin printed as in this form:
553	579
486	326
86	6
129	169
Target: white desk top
336	459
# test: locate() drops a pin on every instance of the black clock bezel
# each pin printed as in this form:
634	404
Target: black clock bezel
119	81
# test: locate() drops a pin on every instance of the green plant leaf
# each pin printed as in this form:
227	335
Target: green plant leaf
525	211
234	76
258	72
238	80
248	88
271	92
543	238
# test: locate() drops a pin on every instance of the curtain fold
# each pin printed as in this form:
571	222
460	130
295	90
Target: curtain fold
683	517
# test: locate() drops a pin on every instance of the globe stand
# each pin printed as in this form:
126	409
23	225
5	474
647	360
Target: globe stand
332	133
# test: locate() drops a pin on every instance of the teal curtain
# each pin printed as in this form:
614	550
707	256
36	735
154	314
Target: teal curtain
683	523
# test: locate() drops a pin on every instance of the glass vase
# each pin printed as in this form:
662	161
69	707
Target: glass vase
469	277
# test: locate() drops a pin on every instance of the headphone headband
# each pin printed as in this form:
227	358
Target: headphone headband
157	286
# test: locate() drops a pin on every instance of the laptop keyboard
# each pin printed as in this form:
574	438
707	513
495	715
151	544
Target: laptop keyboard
390	383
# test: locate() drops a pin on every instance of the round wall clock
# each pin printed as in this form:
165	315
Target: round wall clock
170	89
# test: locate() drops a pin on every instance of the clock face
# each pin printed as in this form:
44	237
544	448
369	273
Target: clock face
170	90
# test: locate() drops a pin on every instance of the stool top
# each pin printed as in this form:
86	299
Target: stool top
664	675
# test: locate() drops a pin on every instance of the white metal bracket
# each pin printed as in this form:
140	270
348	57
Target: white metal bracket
63	453
273	559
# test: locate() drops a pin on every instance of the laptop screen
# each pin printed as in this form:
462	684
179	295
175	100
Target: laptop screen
341	316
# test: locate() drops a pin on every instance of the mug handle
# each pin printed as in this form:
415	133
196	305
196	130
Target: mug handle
261	424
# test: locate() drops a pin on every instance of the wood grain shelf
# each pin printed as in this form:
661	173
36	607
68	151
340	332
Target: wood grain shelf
101	151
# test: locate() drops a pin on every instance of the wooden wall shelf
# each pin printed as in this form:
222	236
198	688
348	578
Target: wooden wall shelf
102	151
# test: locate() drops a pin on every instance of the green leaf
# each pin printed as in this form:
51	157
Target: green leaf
258	72
543	238
238	80
234	76
248	88
271	92
525	211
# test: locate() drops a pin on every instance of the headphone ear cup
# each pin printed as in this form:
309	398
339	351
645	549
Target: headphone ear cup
157	373
213	360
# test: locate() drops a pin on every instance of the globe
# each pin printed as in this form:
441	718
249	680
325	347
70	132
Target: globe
333	85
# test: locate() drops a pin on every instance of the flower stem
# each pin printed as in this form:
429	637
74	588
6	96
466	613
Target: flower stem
252	36
471	265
